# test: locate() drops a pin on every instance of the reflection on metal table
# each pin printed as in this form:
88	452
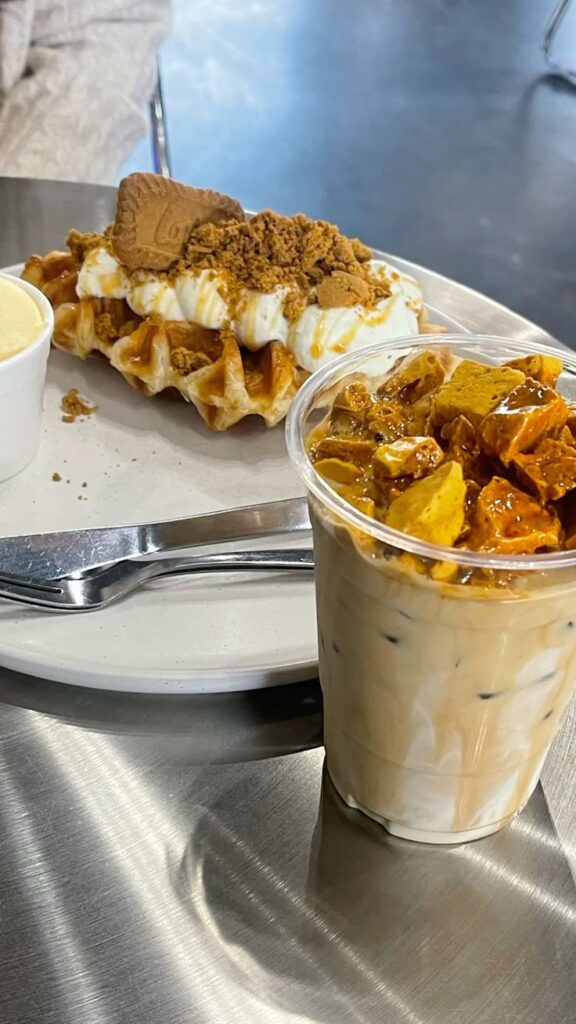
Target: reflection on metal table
183	859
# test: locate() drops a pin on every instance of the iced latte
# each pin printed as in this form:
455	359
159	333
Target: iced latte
440	477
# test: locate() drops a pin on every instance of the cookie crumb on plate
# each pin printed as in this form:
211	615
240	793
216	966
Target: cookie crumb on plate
73	406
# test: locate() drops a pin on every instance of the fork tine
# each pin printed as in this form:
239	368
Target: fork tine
30	581
38	596
88	593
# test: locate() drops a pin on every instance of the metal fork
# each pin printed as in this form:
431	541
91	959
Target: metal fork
100	587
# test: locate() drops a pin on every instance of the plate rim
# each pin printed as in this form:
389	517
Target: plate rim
173	681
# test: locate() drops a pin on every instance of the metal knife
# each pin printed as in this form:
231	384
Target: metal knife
52	555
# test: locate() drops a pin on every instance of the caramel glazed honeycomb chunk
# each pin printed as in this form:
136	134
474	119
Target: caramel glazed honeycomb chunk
478	457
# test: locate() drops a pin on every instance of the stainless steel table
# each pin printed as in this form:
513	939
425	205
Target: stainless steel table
183	860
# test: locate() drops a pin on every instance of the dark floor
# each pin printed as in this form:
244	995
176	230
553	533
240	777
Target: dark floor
428	127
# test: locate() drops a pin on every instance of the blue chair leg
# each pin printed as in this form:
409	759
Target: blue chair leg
548	41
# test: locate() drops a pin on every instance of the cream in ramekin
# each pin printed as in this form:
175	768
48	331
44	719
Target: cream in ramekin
26	325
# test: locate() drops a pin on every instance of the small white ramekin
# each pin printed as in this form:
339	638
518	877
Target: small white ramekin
22	378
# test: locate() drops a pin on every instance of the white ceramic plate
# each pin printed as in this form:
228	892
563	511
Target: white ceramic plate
145	460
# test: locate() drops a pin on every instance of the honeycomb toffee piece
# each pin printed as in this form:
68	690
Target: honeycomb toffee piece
415	377
506	519
482	458
432	508
410	456
350	449
460	440
529	412
546	369
350	409
473	391
549	471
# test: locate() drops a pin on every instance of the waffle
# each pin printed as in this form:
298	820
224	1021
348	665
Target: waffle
55	275
207	368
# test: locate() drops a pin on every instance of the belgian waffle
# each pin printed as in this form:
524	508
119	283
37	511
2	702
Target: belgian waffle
208	368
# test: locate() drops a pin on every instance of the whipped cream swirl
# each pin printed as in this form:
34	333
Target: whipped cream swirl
315	338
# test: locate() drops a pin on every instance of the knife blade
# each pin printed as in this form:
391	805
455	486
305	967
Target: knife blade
53	555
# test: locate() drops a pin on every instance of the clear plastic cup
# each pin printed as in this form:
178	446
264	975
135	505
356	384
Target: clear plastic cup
441	699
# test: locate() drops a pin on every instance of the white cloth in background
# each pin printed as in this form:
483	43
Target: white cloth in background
75	80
